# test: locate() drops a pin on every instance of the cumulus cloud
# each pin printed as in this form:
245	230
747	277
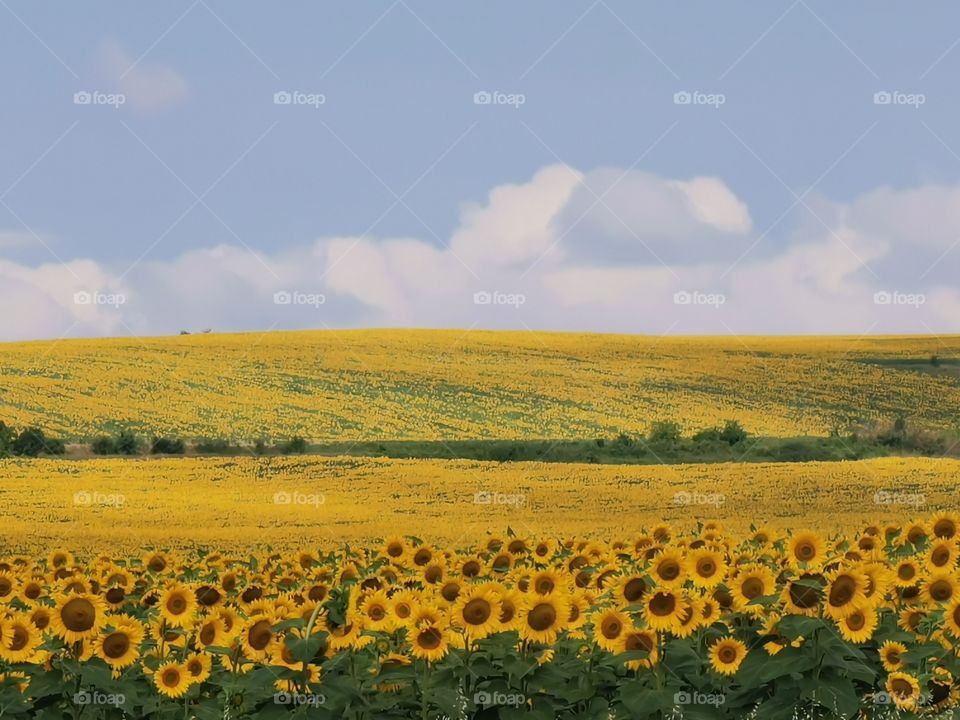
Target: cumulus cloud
147	86
602	250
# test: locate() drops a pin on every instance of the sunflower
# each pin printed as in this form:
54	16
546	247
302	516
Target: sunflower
156	562
944	525
40	616
951	618
211	632
910	619
891	655
546	581
630	590
510	603
940	587
346	636
941	555
172	680
375	608
905	573
257	637
904	690
403	605
60	559
668	568
32	590
707	568
19	638
429	643
802	595
177	605
198	666
609	627
806	550
845	593
689	619
879	580
634	640
726	654
477	612
579	603
857	627
541	617
751	582
78	617
544	551
119	647
663	609
709	611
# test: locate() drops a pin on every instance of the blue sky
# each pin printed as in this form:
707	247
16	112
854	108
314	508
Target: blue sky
787	196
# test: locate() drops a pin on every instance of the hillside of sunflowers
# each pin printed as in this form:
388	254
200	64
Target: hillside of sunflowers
253	585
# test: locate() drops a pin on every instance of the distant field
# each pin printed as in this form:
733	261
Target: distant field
397	384
245	503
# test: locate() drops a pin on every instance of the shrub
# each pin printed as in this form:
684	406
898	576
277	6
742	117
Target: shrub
167	446
213	446
294	446
664	431
103	445
127	443
7	436
31	442
708	435
733	433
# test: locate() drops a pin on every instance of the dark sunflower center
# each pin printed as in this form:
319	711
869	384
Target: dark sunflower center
901	688
78	615
41	620
116	645
471	568
19	639
856	621
611	628
477	611
433	574
663	604
507	611
450	591
669	569
429	639
842	590
803	596
402	610
260	634
727	654
706	567
634	589
945	528
422	557
639	641
395	550
251	594
177	604
207	633
751	588
32	591
208	595
940	557
517	546
542	617
115	595
544	586
170	677
805	551
941	590
317	593
377	613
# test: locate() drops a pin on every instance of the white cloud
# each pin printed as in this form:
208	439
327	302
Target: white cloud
568	257
147	86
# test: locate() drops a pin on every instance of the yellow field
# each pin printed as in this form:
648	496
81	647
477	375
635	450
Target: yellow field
247	503
397	384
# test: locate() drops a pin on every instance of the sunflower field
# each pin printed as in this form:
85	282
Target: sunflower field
661	624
